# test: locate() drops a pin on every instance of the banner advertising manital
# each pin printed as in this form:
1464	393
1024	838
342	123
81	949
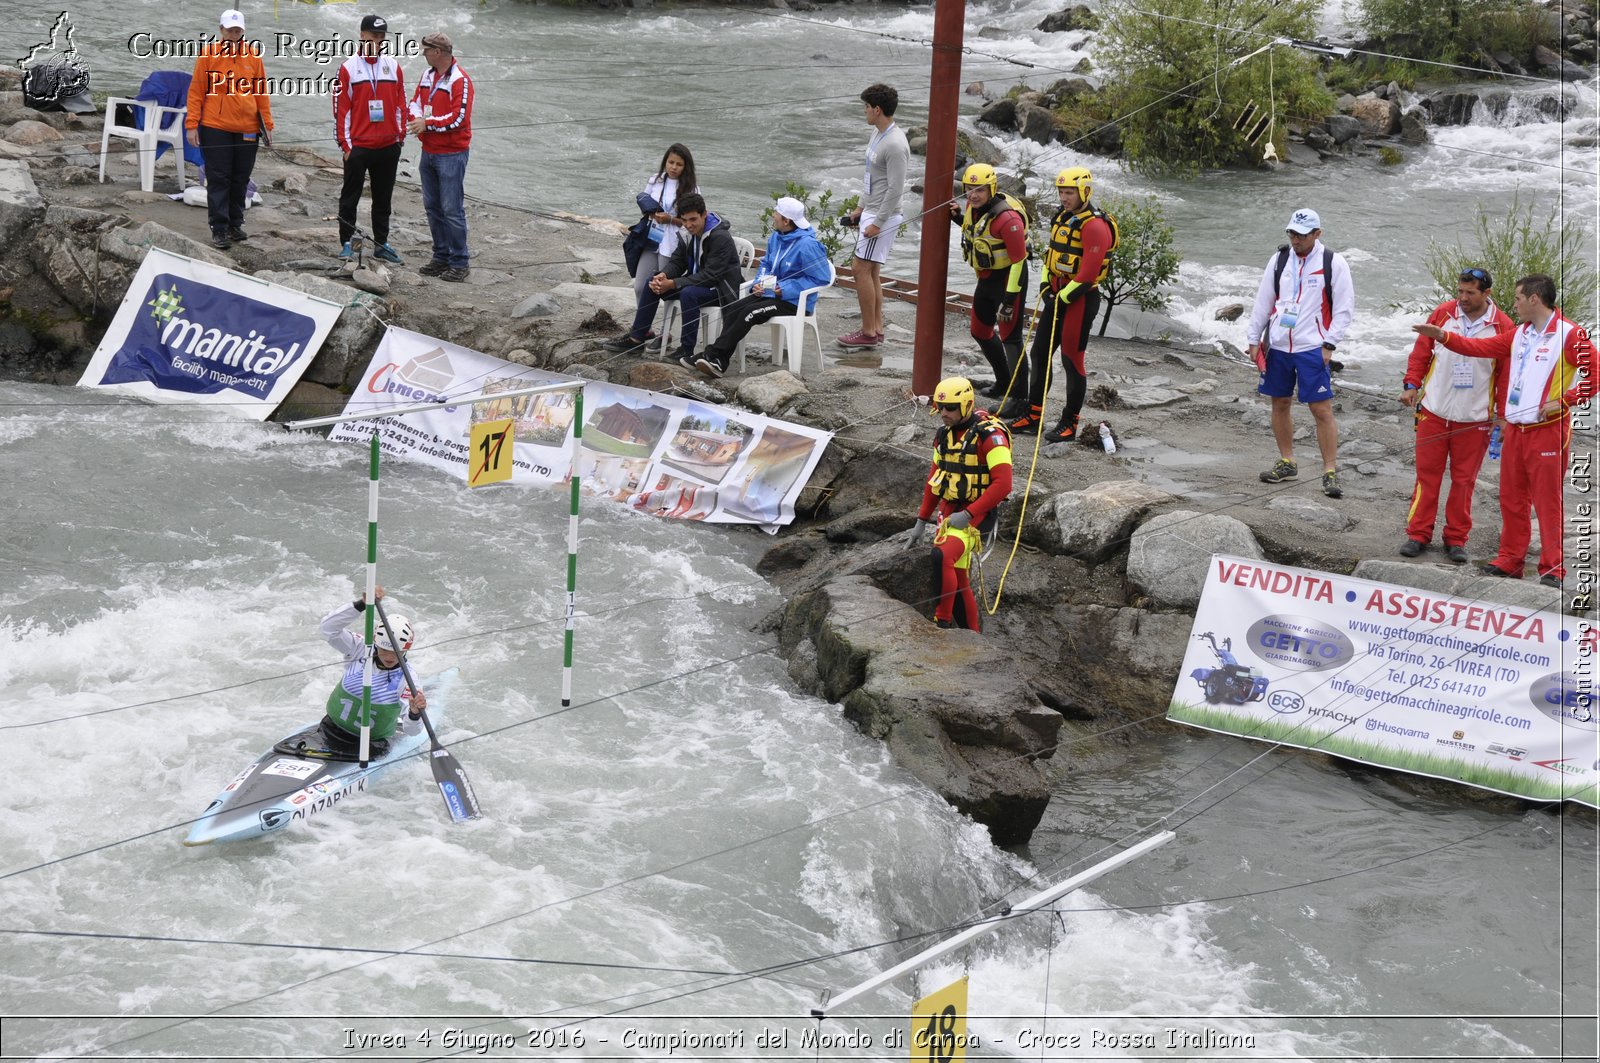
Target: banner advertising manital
659	454
1495	696
191	332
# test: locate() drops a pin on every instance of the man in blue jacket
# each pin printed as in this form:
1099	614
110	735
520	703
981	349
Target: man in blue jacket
703	271
794	261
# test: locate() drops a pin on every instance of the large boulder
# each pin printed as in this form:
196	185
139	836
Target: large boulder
1168	556
1077	17
1414	125
975	734
29	133
1464	581
1036	123
21	205
1451	108
1379	117
892	480
769	393
1342	128
1002	114
348	348
1093	524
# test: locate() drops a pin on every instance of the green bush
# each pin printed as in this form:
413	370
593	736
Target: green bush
1448	30
1511	243
1144	261
1171	79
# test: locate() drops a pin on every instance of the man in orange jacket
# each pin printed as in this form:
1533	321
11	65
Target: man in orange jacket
229	113
1544	357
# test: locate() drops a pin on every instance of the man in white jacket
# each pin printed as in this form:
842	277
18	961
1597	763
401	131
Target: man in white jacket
1302	312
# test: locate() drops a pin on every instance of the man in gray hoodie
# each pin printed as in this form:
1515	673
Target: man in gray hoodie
703	271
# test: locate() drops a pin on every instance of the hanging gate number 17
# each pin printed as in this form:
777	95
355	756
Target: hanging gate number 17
490	452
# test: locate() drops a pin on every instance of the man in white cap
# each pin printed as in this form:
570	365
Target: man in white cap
794	261
1302	312
229	116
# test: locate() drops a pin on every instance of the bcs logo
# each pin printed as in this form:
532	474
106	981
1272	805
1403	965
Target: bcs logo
1285	701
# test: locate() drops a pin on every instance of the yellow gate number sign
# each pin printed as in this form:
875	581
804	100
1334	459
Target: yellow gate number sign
489	453
939	1025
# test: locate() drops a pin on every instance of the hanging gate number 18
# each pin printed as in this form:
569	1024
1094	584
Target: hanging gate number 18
490	452
939	1025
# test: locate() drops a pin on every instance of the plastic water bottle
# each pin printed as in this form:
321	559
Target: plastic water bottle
1494	444
1106	441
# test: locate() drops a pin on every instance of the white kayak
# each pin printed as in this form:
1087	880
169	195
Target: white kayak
301	777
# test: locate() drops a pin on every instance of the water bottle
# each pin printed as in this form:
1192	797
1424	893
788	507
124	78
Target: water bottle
1106	441
1494	444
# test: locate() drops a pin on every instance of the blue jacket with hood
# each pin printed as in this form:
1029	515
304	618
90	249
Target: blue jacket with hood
798	261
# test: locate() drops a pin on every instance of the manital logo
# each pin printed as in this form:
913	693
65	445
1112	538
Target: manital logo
51	73
181	335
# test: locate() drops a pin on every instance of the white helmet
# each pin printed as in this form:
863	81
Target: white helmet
383	640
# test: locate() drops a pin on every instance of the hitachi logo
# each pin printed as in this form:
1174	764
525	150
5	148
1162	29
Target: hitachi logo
249	353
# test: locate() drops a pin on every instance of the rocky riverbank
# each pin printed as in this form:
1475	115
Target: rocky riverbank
1084	648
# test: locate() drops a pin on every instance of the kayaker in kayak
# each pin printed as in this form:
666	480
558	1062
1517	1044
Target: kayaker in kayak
342	724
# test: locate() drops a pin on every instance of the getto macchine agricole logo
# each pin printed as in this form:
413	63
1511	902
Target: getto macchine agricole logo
196	338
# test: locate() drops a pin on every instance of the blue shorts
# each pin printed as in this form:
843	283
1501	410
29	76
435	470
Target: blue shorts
1283	369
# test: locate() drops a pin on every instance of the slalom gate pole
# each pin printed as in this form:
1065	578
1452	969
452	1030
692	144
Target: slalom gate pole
372	598
572	551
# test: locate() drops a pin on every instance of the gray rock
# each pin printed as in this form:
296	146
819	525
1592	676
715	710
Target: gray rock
906	433
1077	17
1316	139
292	183
1451	108
769	393
1345	103
1414	126
1002	114
1379	117
589	372
1143	398
131	244
975	734
1036	123
348	348
893	479
1168	555
1311	512
29	133
1464	581
21	205
1093	524
374	279
15	340
1342	127
1231	312
539	304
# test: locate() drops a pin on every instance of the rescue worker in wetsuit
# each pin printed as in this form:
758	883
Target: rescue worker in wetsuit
341	727
971	476
1082	237
994	241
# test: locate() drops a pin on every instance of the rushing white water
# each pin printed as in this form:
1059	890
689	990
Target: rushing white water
692	817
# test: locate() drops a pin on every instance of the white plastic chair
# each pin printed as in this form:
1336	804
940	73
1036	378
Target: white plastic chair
710	316
789	330
156	131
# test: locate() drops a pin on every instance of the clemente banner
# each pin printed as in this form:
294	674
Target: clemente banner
659	454
1490	695
191	332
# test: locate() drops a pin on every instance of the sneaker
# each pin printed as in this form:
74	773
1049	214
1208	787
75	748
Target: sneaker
710	365
680	353
1550	579
237	235
1458	554
1412	547
385	253
345	252
1026	425
1489	568
625	343
219	240
1062	433
686	359
432	269
1283	470
1330	485
858	339
879	338
454	275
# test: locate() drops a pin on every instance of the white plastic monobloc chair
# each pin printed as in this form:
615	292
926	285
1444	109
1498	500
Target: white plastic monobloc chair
789	330
710	316
156	132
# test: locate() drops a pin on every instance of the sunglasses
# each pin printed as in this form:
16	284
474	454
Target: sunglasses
1476	274
953	407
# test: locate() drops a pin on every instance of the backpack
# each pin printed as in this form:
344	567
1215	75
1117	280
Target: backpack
1327	276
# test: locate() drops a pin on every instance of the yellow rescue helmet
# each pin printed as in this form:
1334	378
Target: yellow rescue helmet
1076	177
981	173
956	389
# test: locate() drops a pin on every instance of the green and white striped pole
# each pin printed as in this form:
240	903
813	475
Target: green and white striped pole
572	549
372	597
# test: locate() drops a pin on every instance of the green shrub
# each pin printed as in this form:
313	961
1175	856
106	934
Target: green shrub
1511	242
1144	261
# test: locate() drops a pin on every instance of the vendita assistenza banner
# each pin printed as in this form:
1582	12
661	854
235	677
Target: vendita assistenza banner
190	332
1494	696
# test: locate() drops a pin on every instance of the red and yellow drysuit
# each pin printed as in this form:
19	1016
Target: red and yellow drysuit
971	471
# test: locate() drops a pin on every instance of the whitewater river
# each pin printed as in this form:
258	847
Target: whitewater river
694	849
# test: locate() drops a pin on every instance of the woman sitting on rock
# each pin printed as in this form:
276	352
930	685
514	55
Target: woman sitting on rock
674	177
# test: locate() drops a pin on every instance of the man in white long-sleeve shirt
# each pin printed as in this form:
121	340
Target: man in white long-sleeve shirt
1302	312
880	214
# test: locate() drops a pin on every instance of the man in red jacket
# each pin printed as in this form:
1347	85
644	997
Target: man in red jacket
1453	396
441	116
369	122
1544	357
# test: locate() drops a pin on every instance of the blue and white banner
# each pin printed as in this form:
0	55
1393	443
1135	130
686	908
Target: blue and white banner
1495	696
191	332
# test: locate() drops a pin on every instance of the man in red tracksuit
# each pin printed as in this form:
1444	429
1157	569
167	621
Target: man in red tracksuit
1544	357
369	122
971	476
1453	396
441	117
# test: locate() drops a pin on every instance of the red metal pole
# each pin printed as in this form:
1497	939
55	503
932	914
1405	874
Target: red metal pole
944	96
